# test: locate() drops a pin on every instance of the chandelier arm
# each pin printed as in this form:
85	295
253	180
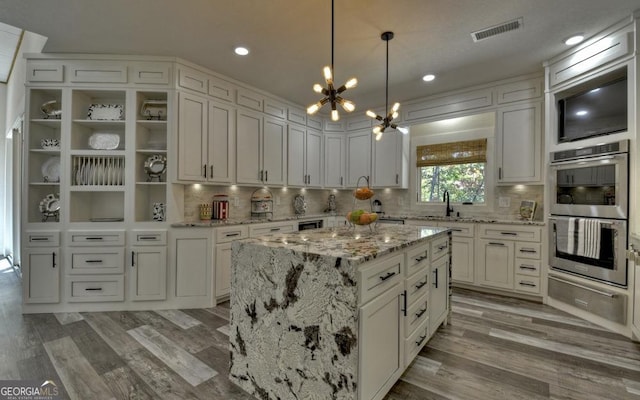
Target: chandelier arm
386	97
332	33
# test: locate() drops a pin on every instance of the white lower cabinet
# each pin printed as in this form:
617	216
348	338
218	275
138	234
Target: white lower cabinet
462	261
404	298
193	260
495	263
148	266
94	266
41	275
224	239
381	350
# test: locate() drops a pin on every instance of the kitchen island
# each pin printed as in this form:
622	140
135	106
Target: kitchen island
335	313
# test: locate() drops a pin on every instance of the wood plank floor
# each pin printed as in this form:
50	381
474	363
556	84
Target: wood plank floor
494	348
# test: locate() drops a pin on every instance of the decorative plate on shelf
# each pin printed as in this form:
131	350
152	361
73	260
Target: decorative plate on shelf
108	112
104	141
155	166
50	204
51	170
154	109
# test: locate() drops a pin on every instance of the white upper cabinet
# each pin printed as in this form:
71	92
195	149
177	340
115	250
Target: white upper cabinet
334	160
205	140
391	161
519	143
304	162
261	149
358	156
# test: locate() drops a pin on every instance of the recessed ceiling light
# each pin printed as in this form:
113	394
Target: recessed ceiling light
241	51
574	40
428	77
582	112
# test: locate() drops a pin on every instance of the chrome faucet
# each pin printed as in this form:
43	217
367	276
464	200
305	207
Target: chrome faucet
446	199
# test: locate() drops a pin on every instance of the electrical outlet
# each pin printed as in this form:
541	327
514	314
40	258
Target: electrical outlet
504	202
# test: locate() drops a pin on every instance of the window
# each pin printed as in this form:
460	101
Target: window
457	167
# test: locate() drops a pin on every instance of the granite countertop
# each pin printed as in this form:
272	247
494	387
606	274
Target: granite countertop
358	245
214	223
485	220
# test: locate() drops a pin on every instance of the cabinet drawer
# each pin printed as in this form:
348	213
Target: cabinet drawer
529	284
193	80
151	73
417	285
417	258
96	260
92	238
298	115
314	122
416	315
414	343
510	232
275	108
45	73
148	238
228	234
377	278
42	239
98	73
528	250
439	247
525	266
459	229
95	288
269	229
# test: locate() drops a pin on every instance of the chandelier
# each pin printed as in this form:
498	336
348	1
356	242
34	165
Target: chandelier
385	122
331	94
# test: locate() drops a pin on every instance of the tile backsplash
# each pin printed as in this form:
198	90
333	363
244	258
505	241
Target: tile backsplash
394	201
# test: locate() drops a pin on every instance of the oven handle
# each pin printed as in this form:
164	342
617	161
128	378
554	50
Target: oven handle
587	161
611	295
603	222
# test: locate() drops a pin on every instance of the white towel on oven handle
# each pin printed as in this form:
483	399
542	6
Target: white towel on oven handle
584	237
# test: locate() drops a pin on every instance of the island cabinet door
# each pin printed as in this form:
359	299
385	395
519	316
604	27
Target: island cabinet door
381	345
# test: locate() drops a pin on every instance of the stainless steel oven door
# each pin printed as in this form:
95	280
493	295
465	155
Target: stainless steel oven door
610	266
595	187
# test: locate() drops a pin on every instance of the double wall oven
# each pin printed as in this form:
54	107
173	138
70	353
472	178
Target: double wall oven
589	211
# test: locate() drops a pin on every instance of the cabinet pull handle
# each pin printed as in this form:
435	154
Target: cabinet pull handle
528	251
148	237
421	313
232	234
274	229
205	170
509	233
341	181
419	259
95	238
53	264
496	244
435	283
39	239
525	283
396	179
442	247
99	289
420	340
528	267
93	261
387	276
500	173
266	176
456	230
419	285
133	254
211	171
404	302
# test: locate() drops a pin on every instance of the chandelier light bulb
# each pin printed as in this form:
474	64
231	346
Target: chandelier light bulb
403	129
377	129
348	106
378	136
313	108
328	75
394	115
395	107
371	114
334	115
317	88
351	83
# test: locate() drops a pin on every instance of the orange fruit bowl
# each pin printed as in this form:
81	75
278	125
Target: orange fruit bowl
363	193
361	217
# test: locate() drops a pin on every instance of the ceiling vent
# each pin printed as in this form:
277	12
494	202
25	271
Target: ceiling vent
497	30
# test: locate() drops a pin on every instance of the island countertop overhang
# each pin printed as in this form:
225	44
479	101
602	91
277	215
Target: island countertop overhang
357	245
